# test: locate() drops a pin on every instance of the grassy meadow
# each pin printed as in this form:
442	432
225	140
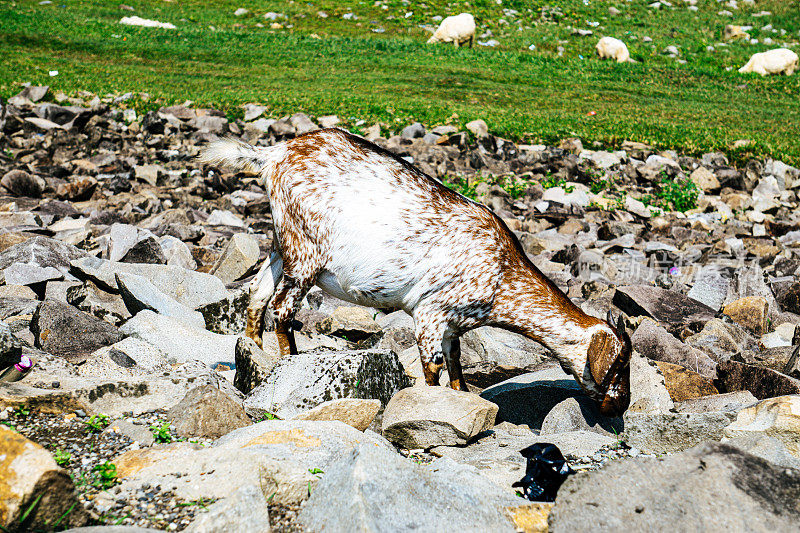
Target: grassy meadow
369	61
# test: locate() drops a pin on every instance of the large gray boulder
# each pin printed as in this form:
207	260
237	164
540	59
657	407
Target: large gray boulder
665	306
299	382
423	417
179	341
579	414
61	329
192	289
492	355
206	411
654	342
373	489
139	294
41	252
713	487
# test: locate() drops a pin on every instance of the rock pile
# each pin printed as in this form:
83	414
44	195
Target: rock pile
123	263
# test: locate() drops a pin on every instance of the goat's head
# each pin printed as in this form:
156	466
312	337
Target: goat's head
608	360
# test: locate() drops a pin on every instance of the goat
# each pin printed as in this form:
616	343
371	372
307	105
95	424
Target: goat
611	48
370	228
458	29
777	61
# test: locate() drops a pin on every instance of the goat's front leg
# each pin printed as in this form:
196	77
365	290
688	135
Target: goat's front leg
262	288
452	356
284	305
430	332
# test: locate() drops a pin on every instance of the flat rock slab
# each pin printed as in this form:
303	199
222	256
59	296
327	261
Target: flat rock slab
374	489
126	359
713	487
300	382
62	330
663	305
179	341
673	432
776	417
762	382
656	343
355	412
423	417
683	384
139	294
190	288
42	252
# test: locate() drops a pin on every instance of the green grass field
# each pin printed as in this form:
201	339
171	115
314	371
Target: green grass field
338	65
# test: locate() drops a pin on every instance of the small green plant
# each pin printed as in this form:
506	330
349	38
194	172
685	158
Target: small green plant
515	187
22	412
551	181
677	195
315	471
202	503
161	432
268	416
105	475
598	186
97	423
62	457
30	508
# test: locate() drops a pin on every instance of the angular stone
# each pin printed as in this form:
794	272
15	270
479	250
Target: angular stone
676	493
147	250
148	173
478	128
351	323
579	414
654	342
373	489
721	339
662	305
684	384
176	252
24	274
768	448
239	256
10	347
649	393
180	341
128	358
190	288
302	381
244	510
762	382
355	412
668	432
710	288
207	412
775	417
729	402
61	329
492	355
35	486
42	252
423	417
220	217
413	131
253	364
139	294
228	315
749	312
705	180
90	298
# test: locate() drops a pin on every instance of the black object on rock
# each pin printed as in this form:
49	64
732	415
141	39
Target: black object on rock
545	472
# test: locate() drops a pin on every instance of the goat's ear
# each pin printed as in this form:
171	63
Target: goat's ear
599	355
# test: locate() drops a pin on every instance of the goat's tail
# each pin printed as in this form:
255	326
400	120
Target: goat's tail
238	155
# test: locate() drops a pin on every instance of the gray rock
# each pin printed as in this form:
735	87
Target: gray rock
176	252
121	238
580	444
238	257
721	339
765	447
526	399
355	412
654	342
20	183
90	298
491	355
227	315
672	432
349	322
478	128
299	382
253	365
147	250
749	280
61	329
663	305
180	341
128	358
579	414
244	510
41	252
710	288
413	131
373	489
302	124
139	294
25	274
714	487
10	346
649	393
730	402
423	417
190	288
205	411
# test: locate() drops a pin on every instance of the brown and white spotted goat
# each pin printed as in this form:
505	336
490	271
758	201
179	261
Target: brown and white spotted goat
370	228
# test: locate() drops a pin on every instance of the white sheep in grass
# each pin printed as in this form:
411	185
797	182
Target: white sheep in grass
458	30
611	48
778	61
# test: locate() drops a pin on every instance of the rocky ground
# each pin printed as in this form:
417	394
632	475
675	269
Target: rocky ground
123	266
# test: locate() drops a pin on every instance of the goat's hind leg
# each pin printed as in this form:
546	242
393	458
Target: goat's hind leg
284	305
262	288
452	356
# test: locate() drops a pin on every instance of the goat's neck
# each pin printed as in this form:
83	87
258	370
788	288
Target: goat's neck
530	304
